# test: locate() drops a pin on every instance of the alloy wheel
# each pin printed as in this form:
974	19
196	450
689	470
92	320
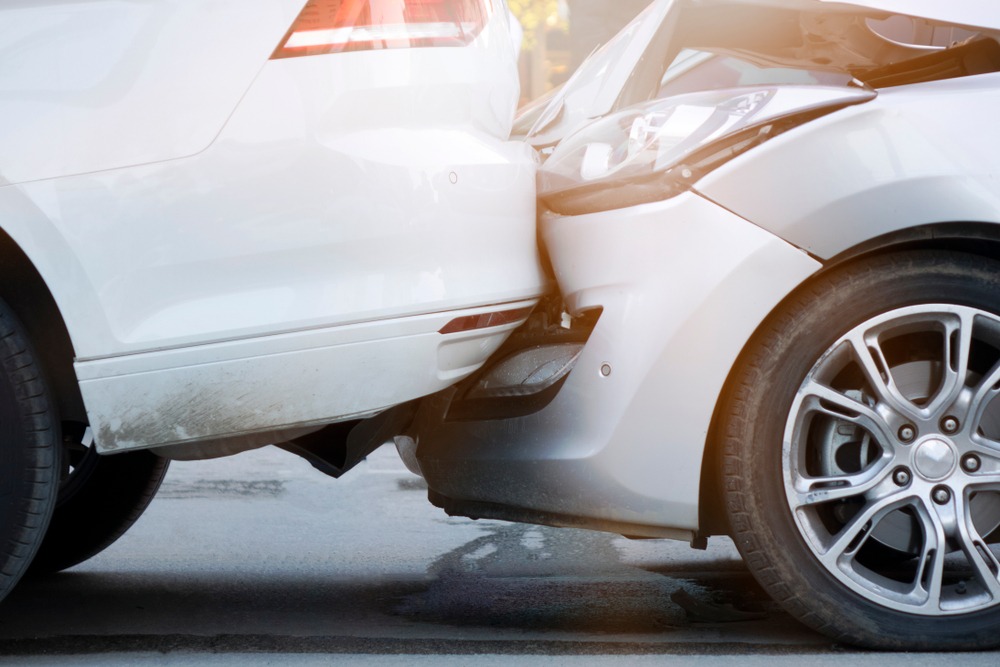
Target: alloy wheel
891	459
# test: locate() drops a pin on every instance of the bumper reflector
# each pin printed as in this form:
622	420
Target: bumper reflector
485	320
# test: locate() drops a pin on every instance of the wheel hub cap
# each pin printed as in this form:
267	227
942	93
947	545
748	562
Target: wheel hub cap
935	459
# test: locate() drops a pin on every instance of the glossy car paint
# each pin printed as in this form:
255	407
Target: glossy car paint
101	85
904	160
190	202
684	283
976	14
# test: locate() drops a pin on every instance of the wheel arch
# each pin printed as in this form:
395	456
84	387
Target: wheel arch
974	238
25	291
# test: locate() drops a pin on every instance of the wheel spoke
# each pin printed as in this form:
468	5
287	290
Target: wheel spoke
817	397
988	452
849	540
986	390
930	570
955	364
982	560
875	367
817	490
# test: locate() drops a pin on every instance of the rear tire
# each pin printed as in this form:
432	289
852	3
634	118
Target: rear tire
29	452
100	497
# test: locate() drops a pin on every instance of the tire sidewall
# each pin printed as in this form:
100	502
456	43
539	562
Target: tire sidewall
790	345
99	507
29	452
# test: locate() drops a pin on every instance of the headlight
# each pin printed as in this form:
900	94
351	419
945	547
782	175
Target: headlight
655	150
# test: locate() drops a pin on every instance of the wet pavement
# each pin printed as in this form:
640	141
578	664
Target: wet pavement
260	557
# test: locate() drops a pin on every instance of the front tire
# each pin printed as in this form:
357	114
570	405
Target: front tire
861	460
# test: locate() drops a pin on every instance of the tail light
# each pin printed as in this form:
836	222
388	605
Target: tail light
333	26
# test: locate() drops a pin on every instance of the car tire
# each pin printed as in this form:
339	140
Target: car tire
861	452
29	437
100	497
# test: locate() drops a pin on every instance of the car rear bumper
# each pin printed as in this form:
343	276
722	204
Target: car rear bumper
292	380
682	285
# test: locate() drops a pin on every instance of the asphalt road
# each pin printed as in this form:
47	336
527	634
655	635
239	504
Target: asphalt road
258	559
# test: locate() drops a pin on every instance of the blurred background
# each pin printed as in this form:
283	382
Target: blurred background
559	34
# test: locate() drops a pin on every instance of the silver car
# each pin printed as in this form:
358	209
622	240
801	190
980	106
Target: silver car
779	312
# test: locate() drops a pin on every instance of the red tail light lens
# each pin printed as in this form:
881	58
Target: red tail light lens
332	26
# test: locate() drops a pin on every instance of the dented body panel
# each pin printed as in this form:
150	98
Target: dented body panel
683	278
681	285
904	160
809	34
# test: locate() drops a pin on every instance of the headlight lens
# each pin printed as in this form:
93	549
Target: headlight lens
657	149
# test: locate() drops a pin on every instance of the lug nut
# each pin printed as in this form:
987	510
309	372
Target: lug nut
941	495
901	477
949	424
907	433
971	463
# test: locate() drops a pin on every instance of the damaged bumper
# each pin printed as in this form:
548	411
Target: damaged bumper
680	284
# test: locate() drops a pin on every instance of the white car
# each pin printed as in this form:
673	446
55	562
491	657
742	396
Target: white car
782	313
237	222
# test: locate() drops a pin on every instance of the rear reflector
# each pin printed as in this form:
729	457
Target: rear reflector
485	320
333	26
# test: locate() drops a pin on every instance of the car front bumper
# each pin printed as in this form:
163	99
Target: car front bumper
682	285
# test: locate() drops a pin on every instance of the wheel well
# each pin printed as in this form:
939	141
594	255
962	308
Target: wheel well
981	239
24	290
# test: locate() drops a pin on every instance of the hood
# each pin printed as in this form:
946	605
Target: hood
968	14
818	35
